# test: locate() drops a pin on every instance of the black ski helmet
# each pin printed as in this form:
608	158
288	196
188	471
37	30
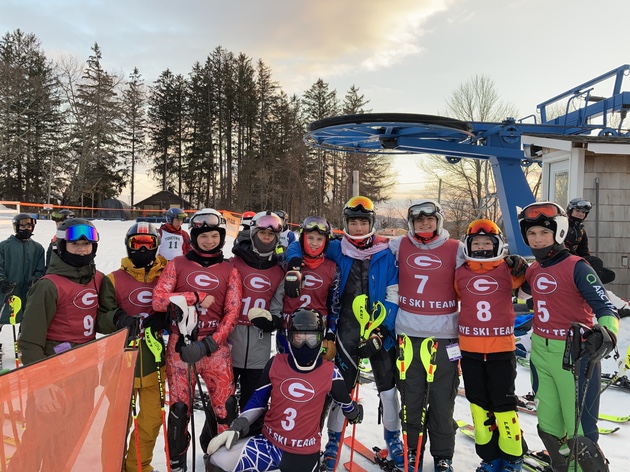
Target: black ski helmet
23	219
142	241
305	335
284	216
579	204
62	215
76	229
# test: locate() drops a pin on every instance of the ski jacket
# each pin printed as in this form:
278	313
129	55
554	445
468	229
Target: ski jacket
382	279
577	240
131	289
21	262
41	309
419	325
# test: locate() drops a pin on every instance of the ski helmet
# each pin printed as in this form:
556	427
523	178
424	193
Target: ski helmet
23	219
359	207
305	334
142	241
61	215
579	204
265	220
207	219
175	213
546	214
319	225
76	229
284	216
483	227
425	208
246	218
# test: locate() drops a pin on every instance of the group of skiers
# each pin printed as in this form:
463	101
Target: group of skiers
331	303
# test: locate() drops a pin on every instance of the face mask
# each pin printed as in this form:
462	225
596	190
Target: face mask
546	253
24	234
76	260
143	258
305	357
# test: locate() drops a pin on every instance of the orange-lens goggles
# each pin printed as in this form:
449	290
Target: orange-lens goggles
356	203
533	212
142	240
482	227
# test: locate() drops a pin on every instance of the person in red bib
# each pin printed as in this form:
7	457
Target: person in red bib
565	290
292	395
212	290
427	259
485	284
129	290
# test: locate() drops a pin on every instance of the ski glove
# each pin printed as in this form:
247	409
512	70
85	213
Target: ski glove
132	323
517	264
356	415
295	263
194	352
292	283
600	342
374	343
263	320
158	322
329	348
7	287
238	428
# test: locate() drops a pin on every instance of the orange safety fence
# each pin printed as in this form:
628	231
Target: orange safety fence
86	427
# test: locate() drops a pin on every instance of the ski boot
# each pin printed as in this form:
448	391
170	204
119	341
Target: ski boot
411	459
395	447
330	452
494	466
512	466
443	465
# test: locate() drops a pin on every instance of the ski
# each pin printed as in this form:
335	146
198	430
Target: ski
613	418
533	461
377	456
622	382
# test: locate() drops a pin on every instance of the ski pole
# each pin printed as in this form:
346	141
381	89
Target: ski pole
405	356
134	414
624	365
156	349
15	303
428	352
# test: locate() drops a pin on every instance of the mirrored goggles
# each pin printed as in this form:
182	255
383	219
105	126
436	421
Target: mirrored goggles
30	222
315	223
281	214
482	227
76	232
208	219
360	204
426	209
180	216
582	205
310	339
139	241
533	212
271	222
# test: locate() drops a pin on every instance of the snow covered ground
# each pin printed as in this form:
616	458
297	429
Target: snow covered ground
111	250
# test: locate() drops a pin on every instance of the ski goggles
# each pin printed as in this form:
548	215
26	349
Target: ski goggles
281	214
536	210
58	216
206	219
316	223
485	227
180	216
26	222
426	209
272	222
582	205
360	204
299	339
142	241
77	232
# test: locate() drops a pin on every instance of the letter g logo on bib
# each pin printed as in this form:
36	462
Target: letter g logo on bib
424	261
297	390
85	299
482	285
545	283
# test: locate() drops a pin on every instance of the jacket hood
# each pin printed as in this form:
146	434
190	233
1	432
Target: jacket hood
141	274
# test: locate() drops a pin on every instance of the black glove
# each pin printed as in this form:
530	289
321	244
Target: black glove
175	312
158	322
517	264
356	415
370	346
194	352
7	287
295	263
267	326
599	342
292	283
132	323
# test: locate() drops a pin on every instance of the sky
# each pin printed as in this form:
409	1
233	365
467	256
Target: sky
404	55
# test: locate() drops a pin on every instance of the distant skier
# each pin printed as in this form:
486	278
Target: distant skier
175	239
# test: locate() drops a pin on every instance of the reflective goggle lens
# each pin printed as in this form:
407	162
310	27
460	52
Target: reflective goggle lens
76	232
310	339
426	209
181	216
207	219
316	224
142	240
281	214
583	205
271	222
534	211
360	203
26	222
482	227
